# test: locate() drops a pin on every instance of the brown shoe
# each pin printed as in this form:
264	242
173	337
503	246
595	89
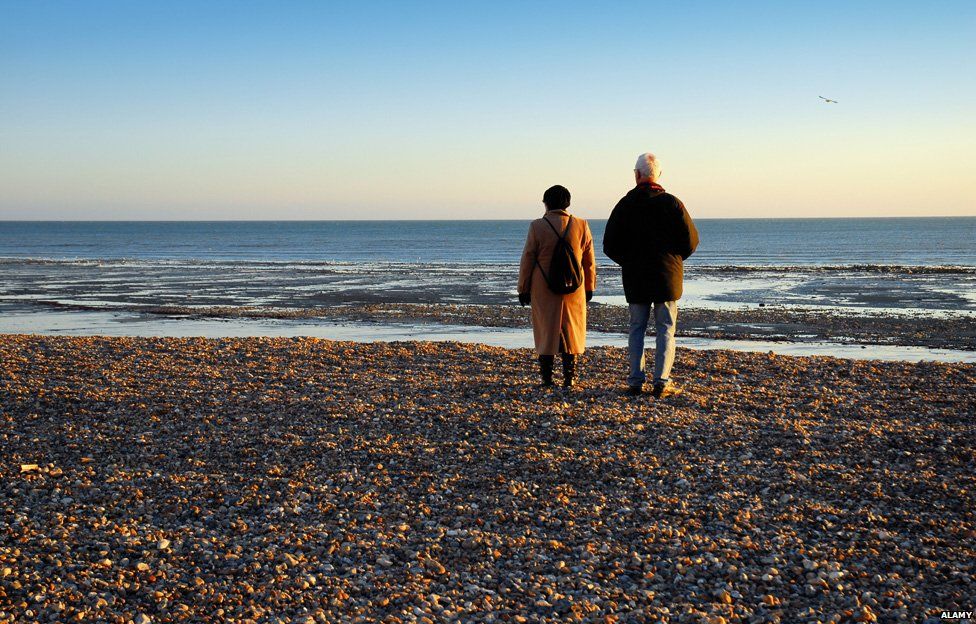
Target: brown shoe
665	390
633	391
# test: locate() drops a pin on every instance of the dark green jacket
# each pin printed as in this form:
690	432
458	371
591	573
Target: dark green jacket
650	234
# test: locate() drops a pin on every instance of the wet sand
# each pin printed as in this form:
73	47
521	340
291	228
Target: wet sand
758	323
284	480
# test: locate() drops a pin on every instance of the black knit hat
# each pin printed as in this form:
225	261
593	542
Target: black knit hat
556	198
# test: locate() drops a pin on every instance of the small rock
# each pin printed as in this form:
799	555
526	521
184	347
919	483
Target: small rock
435	566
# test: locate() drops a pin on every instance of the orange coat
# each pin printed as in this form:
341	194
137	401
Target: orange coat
557	316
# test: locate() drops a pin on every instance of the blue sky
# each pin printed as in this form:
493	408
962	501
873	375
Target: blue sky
321	110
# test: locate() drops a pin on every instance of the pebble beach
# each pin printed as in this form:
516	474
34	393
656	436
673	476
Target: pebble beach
302	480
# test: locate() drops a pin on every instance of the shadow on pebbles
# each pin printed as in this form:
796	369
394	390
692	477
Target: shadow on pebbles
301	480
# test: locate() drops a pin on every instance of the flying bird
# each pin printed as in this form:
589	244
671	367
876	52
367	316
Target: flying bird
827	100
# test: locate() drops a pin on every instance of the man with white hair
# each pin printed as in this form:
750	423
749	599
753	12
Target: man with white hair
650	234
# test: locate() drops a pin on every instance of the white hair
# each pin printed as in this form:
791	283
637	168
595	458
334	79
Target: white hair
648	166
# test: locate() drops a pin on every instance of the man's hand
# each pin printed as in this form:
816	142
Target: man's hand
589	296
525	298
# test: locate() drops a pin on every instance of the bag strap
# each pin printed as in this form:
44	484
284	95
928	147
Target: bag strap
562	237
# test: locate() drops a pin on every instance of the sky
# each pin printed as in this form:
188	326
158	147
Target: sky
442	110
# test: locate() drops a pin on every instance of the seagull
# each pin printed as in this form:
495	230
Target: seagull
827	100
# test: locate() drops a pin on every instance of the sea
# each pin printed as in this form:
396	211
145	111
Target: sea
901	266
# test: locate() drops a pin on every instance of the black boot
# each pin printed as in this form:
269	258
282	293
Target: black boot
545	368
569	370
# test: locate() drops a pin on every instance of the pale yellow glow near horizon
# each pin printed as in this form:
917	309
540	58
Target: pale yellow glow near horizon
876	174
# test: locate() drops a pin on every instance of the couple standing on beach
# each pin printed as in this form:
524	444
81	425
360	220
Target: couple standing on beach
649	234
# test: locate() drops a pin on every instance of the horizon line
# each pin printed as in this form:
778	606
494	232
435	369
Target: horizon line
889	217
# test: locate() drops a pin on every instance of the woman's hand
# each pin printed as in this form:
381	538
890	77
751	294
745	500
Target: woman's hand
525	298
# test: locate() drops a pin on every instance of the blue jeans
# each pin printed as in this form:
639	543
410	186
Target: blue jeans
665	320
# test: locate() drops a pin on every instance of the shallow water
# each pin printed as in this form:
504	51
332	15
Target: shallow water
134	284
904	267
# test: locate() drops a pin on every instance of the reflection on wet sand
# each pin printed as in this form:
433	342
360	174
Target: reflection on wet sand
405	323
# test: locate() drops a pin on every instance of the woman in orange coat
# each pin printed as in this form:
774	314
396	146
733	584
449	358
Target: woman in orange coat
558	321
